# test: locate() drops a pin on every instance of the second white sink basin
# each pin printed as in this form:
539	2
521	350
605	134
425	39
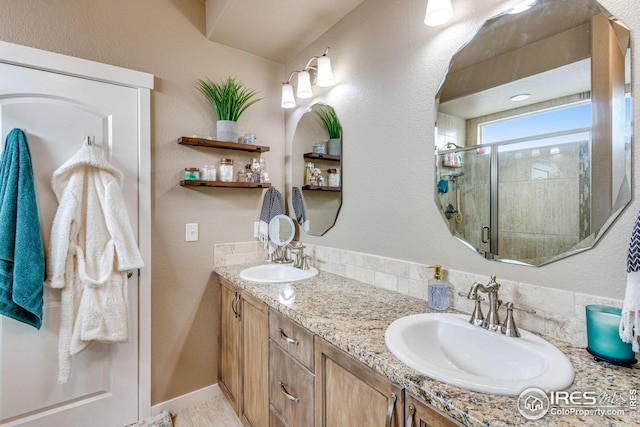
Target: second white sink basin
446	347
276	273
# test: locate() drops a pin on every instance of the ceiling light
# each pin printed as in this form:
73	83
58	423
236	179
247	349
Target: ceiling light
438	12
520	97
324	77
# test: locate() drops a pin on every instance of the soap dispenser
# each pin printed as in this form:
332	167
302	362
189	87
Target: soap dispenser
438	289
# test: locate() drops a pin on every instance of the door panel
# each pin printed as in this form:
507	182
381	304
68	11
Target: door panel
56	112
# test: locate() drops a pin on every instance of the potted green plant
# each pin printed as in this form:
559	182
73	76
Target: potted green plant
229	99
327	115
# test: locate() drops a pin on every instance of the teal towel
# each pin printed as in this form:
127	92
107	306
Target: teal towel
22	270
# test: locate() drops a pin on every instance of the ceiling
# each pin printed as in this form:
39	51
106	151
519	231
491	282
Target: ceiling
273	29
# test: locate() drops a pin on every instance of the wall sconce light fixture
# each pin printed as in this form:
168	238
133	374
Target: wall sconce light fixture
438	12
324	78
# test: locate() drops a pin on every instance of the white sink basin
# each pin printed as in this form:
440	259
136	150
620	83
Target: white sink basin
446	347
276	273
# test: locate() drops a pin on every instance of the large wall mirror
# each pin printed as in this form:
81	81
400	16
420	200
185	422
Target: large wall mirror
317	170
533	144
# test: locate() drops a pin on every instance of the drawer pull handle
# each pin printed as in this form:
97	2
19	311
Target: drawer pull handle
287	339
412	411
286	393
392	405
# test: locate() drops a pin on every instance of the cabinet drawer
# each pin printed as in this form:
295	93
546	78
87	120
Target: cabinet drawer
290	388
293	338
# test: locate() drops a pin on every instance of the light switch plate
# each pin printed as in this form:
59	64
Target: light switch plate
256	229
191	232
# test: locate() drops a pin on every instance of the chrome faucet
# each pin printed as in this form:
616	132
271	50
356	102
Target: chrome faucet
492	321
300	258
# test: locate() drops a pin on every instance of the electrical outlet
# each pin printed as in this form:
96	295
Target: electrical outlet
256	229
191	232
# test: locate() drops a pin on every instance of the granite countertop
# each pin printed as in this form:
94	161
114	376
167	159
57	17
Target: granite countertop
353	316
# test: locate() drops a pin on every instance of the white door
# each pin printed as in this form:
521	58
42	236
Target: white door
57	111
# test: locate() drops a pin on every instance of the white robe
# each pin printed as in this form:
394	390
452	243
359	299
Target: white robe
92	245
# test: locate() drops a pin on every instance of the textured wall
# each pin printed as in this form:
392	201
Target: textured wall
389	65
166	38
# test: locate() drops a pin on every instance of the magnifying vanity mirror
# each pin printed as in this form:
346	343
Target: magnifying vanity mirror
281	230
533	145
316	171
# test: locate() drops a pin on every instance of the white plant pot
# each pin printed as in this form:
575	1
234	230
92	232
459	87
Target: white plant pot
334	146
227	130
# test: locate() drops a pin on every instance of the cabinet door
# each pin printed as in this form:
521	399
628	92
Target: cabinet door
420	414
230	343
255	362
348	393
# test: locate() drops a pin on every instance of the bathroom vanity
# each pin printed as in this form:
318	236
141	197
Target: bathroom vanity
312	353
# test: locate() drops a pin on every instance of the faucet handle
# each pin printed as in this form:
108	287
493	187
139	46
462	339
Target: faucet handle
521	308
305	261
509	327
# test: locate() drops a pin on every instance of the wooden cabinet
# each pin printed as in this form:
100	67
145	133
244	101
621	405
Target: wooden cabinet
420	414
349	393
229	359
244	354
276	373
291	384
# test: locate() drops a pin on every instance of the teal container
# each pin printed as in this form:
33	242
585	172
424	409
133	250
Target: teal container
603	339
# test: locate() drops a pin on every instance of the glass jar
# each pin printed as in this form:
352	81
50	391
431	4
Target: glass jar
334	177
308	170
249	138
319	148
208	173
256	169
226	170
191	174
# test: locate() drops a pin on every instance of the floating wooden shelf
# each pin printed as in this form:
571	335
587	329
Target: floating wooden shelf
318	156
210	143
225	184
320	188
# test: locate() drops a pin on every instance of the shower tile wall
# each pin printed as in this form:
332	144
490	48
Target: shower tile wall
450	129
538	194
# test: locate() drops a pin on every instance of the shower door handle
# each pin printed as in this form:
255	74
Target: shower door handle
485	234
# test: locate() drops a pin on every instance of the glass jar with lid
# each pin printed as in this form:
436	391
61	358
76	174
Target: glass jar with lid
191	174
334	177
226	170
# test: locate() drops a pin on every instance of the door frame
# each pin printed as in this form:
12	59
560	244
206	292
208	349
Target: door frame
24	56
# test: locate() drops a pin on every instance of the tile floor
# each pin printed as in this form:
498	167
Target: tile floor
215	412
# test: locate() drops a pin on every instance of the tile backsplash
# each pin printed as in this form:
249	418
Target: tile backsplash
559	314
